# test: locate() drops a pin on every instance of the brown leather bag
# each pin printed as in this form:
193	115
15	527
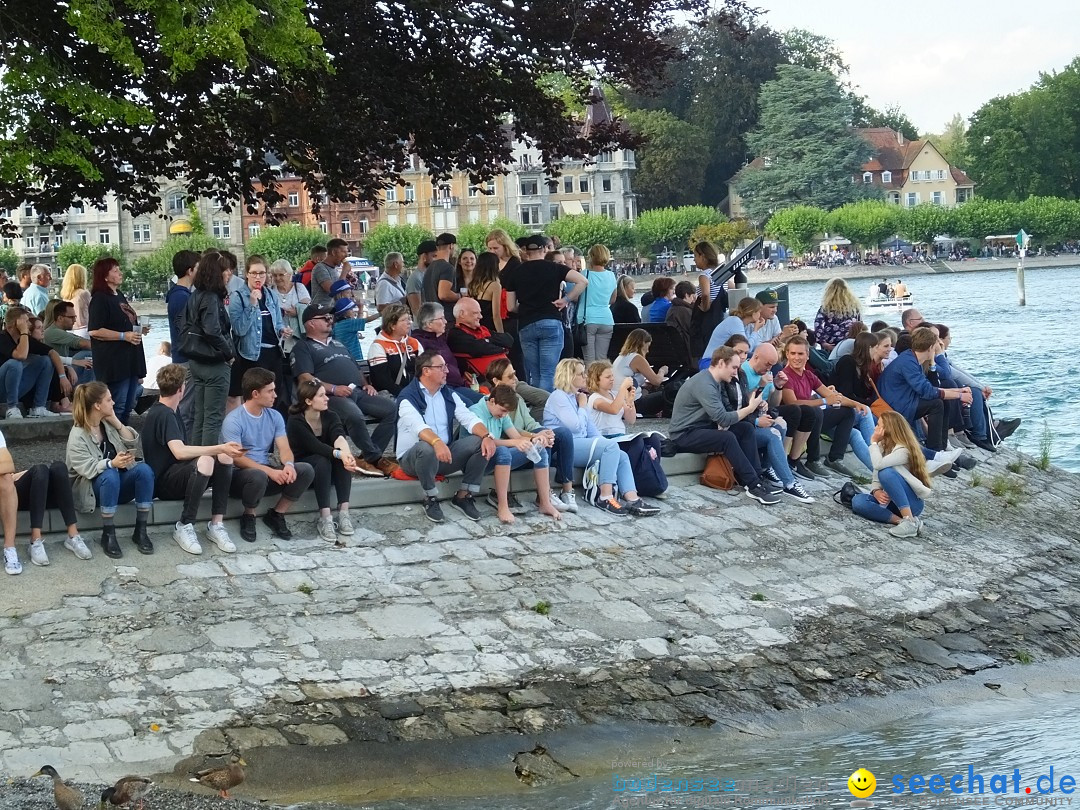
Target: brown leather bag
879	405
718	473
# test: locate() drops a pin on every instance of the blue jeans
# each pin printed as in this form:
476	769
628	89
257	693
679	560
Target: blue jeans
19	377
541	346
115	486
562	455
860	437
900	496
124	392
515	459
83	375
773	446
614	463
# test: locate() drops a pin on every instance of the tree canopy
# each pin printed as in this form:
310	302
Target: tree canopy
805	138
104	96
403	239
288	241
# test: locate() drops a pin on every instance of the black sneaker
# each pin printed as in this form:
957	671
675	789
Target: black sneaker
799	469
247	527
982	444
770	475
797	493
639	508
611	506
1006	427
466	505
951	472
515	505
433	510
964	462
275	521
818	469
762	495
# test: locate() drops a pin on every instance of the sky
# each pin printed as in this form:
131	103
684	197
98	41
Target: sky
936	58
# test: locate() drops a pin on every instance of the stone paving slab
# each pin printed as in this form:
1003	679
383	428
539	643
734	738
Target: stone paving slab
415	631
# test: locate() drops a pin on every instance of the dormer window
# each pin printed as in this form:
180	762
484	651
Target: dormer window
886	177
868	177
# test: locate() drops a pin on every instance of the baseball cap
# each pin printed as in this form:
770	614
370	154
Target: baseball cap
317	310
534	242
340	286
768	296
427	246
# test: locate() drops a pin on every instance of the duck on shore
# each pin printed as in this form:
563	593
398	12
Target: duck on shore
128	789
222	779
67	797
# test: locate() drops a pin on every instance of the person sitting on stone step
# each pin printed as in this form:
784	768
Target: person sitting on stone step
901	481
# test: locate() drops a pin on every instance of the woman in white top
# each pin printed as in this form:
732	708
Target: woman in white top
73	289
611	409
631	362
901	480
291	295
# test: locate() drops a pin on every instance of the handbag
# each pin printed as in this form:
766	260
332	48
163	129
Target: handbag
879	405
718	473
580	334
193	342
846	494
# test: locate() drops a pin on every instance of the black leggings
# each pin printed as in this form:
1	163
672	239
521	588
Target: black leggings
813	420
44	486
329	472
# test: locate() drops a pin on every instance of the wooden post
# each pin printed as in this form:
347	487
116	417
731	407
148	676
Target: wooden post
1021	294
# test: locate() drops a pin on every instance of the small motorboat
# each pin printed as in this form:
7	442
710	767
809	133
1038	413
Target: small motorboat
886	304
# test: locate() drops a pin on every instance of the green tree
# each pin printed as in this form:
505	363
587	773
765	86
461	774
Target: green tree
9	260
982	217
668	160
86	255
814	52
725	235
154	270
797	227
585	230
952	142
474	234
892	117
1049	220
810	150
670	228
198	227
867	223
923	223
289	241
403	239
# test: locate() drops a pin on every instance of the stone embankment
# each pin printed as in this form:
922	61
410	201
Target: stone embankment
715	608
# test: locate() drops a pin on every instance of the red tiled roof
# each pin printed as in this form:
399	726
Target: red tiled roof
960	176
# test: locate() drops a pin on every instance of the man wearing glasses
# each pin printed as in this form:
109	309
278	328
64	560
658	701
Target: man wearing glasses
73	350
427	411
319	356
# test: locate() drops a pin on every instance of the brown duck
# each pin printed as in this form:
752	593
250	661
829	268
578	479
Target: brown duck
126	790
222	779
67	797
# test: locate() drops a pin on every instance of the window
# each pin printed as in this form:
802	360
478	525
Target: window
78	208
529	188
103	236
628	155
490	186
30	243
140	233
553	213
605	157
364	224
583	184
222	229
5	213
939	174
58	241
605	183
411	218
410	193
886	177
28	210
323	226
9	243
176	201
346	227
868	177
392	220
585	208
530	214
473	191
80	236
391	194
294	199
216	205
492	215
912	199
568	185
253	230
894	197
474	217
939	198
607	210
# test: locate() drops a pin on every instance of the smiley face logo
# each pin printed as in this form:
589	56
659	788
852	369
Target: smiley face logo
862	784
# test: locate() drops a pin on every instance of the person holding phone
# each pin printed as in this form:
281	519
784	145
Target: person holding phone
101	458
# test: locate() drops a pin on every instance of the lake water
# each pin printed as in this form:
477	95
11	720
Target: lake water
1024	353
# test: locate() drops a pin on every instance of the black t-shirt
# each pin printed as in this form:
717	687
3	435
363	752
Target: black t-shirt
438	270
269	333
113	360
331	363
8	345
537	285
160	426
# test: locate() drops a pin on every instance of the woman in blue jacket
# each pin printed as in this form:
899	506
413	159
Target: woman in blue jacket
255	315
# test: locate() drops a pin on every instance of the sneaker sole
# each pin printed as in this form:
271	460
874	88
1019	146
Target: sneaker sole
39	564
188	550
762	500
461	509
372	473
799	498
434	519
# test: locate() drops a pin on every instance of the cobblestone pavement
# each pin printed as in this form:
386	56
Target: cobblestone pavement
416	631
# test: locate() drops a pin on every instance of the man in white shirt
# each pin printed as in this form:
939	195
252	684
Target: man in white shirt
389	289
427	411
36	296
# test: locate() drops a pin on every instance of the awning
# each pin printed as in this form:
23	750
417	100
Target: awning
180	227
571	208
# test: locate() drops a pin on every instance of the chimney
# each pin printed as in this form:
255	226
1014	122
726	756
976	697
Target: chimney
900	138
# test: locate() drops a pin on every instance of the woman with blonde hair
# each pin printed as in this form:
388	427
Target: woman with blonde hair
744	320
594	306
838	311
901	480
624	310
73	289
499	242
565	408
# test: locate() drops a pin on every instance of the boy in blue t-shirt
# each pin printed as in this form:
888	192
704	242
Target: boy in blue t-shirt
347	327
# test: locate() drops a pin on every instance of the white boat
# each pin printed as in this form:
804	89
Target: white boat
875	304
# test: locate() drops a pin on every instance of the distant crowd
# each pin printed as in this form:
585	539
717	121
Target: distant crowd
482	363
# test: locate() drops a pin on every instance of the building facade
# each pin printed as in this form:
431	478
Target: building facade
38	242
142	235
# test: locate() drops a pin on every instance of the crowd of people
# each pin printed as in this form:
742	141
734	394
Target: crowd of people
482	363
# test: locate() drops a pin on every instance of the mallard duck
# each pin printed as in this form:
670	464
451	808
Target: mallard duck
67	797
222	779
127	790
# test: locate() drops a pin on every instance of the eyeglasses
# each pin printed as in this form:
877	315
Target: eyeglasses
261	273
438	365
327	318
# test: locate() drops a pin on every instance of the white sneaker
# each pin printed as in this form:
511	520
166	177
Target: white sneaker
37	553
907	527
946	456
11	561
326	528
77	547
14	413
38	412
220	538
184	535
566	502
345	525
